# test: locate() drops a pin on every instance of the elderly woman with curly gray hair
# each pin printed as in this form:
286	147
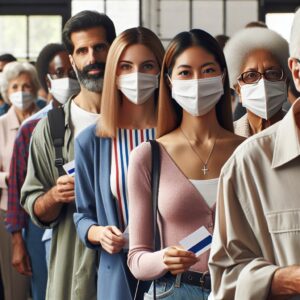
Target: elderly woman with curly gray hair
19	88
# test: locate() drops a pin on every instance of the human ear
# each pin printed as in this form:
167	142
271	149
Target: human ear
294	66
237	89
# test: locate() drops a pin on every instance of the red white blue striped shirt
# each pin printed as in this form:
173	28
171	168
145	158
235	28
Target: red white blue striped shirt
125	141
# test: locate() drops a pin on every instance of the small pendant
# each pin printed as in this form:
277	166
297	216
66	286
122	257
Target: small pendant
205	169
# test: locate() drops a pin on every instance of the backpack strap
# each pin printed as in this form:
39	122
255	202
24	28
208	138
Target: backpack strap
56	119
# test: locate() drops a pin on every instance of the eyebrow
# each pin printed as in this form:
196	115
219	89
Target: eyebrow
130	62
204	65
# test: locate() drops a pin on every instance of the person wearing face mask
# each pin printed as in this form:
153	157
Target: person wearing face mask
195	139
19	88
128	117
257	66
4	59
28	254
48	191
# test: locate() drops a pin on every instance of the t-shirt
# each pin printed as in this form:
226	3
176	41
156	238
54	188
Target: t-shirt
81	118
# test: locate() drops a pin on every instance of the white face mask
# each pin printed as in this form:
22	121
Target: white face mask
63	88
198	96
21	100
264	98
137	87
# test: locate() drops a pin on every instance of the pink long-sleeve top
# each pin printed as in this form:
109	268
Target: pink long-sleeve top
182	210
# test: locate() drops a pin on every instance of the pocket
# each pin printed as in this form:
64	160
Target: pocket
164	290
284	229
287	221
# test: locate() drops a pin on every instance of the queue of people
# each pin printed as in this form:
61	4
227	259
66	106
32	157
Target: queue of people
133	182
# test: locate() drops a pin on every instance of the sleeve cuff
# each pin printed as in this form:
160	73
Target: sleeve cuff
29	207
82	226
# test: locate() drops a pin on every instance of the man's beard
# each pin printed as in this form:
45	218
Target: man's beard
92	82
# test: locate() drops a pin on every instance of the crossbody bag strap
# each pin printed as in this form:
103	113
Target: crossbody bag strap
155	175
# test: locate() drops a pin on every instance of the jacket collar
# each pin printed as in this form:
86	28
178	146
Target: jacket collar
287	142
14	122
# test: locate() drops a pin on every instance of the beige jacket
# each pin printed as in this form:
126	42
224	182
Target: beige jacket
9	125
257	227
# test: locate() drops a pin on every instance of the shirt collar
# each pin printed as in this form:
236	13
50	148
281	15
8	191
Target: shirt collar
287	144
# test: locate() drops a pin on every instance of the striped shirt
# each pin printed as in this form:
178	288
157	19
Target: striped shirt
125	141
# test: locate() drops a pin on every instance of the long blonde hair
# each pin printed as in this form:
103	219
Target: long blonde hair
110	99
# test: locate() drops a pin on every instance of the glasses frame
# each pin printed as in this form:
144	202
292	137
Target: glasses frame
240	78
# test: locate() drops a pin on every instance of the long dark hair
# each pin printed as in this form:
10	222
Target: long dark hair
170	113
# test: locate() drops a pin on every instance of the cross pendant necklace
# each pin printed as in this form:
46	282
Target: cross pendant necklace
205	168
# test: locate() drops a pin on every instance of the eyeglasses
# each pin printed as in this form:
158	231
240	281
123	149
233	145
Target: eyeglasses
251	77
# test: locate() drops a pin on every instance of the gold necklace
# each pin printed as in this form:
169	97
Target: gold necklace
205	168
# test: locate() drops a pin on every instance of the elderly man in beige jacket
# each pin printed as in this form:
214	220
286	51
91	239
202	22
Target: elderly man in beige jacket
256	245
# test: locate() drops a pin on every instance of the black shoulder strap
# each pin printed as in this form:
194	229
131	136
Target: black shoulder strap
155	175
56	119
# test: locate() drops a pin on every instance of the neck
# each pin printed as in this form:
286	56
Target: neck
89	101
201	128
258	124
24	114
137	116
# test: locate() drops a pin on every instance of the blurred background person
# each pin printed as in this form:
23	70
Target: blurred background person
57	78
4	59
19	88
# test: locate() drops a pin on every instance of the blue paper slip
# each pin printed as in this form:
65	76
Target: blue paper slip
197	242
70	168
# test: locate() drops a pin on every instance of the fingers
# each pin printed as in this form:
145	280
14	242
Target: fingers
178	252
111	239
114	234
65	179
116	230
178	260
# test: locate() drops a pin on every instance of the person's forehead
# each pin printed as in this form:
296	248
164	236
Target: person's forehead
89	37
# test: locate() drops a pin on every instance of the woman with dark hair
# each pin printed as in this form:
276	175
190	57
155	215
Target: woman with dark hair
128	117
195	139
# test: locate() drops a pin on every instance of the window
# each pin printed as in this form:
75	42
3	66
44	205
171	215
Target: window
24	36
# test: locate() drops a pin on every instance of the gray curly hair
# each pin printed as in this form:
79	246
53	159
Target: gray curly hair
13	70
250	39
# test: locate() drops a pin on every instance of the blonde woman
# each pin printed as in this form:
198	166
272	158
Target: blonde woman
128	117
195	139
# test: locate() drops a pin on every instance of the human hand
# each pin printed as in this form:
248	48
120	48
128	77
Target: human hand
178	260
111	239
64	192
20	258
285	282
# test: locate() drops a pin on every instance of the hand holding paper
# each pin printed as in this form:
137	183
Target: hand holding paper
197	242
